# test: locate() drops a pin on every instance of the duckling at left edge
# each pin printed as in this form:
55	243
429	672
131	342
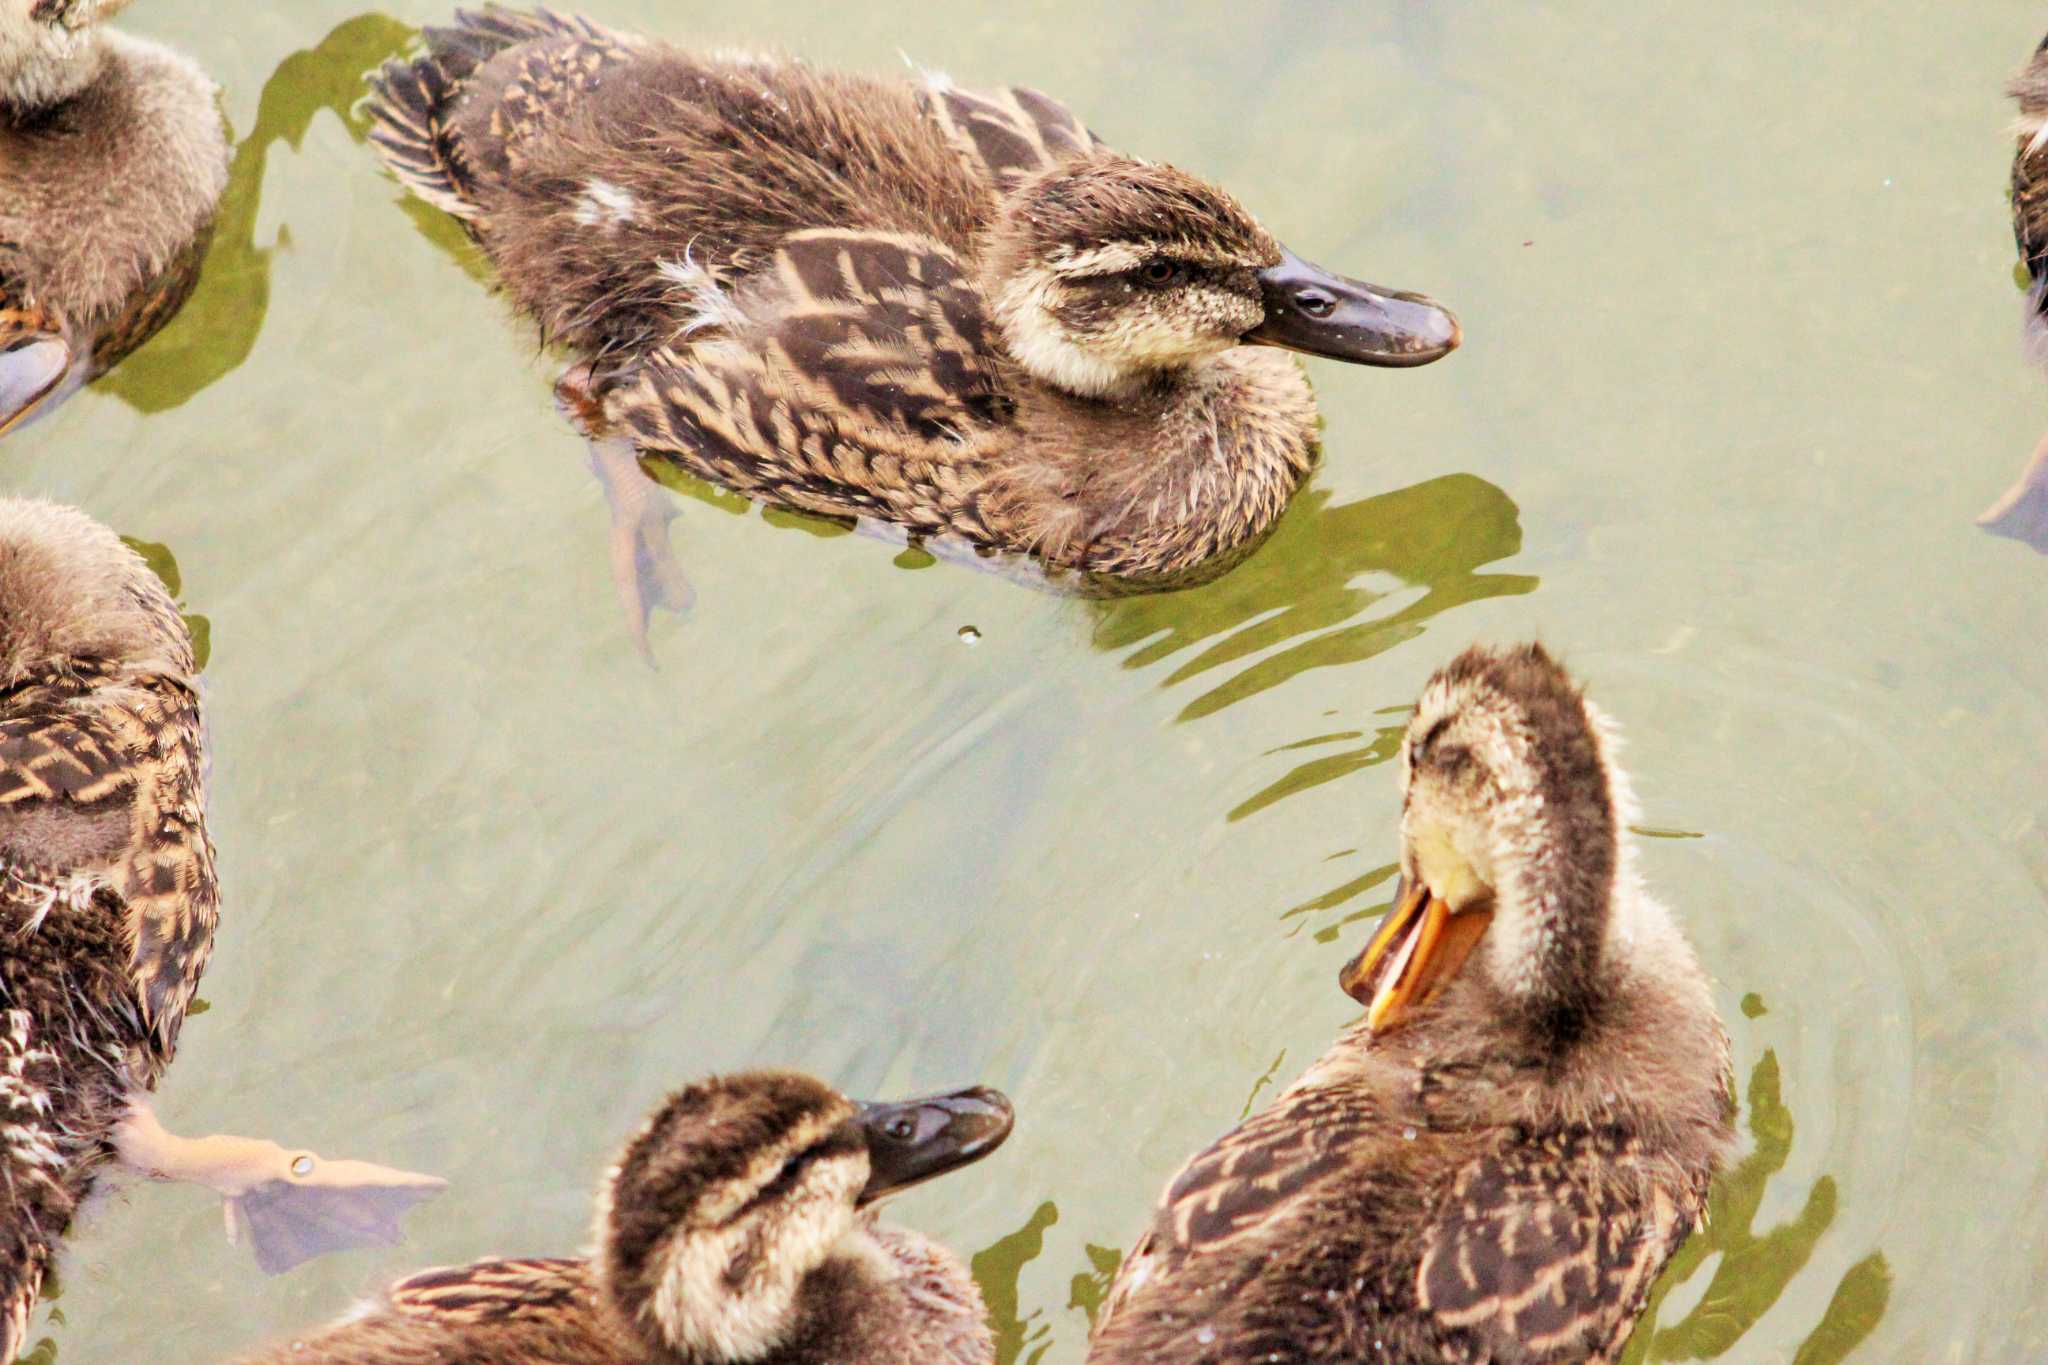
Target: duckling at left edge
112	159
108	902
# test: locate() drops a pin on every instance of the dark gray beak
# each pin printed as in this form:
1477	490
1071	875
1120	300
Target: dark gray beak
1309	309
911	1142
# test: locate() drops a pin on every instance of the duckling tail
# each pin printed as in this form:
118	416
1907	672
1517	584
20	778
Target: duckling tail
411	103
409	107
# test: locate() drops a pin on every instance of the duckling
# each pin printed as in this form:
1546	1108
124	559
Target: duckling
738	1226
1494	1164
959	316
108	902
2022	512
112	158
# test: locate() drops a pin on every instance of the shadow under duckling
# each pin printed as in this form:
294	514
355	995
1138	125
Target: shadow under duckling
738	1227
1493	1165
954	316
2021	513
108	904
113	157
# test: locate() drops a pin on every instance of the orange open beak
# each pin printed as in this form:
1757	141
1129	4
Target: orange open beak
1419	946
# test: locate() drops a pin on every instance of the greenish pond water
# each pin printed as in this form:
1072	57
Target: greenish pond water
1740	367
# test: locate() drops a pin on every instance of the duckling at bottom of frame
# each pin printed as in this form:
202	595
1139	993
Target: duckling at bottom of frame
1492	1166
738	1227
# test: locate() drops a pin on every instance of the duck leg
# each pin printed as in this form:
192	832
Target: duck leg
643	562
294	1204
2023	512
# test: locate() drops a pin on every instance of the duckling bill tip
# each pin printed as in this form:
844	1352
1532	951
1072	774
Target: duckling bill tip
1319	312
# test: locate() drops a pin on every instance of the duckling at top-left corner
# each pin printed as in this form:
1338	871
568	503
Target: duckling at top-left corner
112	159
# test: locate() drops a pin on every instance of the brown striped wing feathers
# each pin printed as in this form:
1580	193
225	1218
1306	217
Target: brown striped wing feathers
1545	1247
412	115
853	379
889	328
116	786
494	1291
549	81
1008	135
1232	1192
57	767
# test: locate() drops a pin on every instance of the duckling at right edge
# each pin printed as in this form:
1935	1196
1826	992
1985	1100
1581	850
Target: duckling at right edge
2022	512
1493	1166
738	1227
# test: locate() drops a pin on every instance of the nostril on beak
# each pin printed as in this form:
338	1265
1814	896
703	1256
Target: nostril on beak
1315	302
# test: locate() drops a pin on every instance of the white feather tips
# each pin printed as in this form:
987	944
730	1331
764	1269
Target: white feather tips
605	205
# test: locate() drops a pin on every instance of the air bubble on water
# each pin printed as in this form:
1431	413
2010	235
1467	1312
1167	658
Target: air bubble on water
969	635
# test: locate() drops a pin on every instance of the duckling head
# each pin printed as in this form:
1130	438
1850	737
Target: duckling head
50	49
1512	811
738	1188
69	589
1107	274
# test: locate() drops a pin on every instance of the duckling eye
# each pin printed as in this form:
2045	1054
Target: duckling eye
1418	749
902	1129
1315	302
1163	272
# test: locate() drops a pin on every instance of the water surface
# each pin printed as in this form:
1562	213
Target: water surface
1740	367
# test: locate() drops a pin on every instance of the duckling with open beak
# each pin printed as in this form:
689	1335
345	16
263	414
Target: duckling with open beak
1493	1166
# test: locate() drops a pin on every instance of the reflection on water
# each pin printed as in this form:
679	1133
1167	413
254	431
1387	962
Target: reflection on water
1336	898
1024	1338
997	1270
844	794
1411	554
1752	1270
164	565
44	1352
219	324
1383	744
1089	1288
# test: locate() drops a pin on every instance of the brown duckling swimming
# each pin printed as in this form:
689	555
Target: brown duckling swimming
112	158
957	315
108	902
2022	513
1496	1162
738	1228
